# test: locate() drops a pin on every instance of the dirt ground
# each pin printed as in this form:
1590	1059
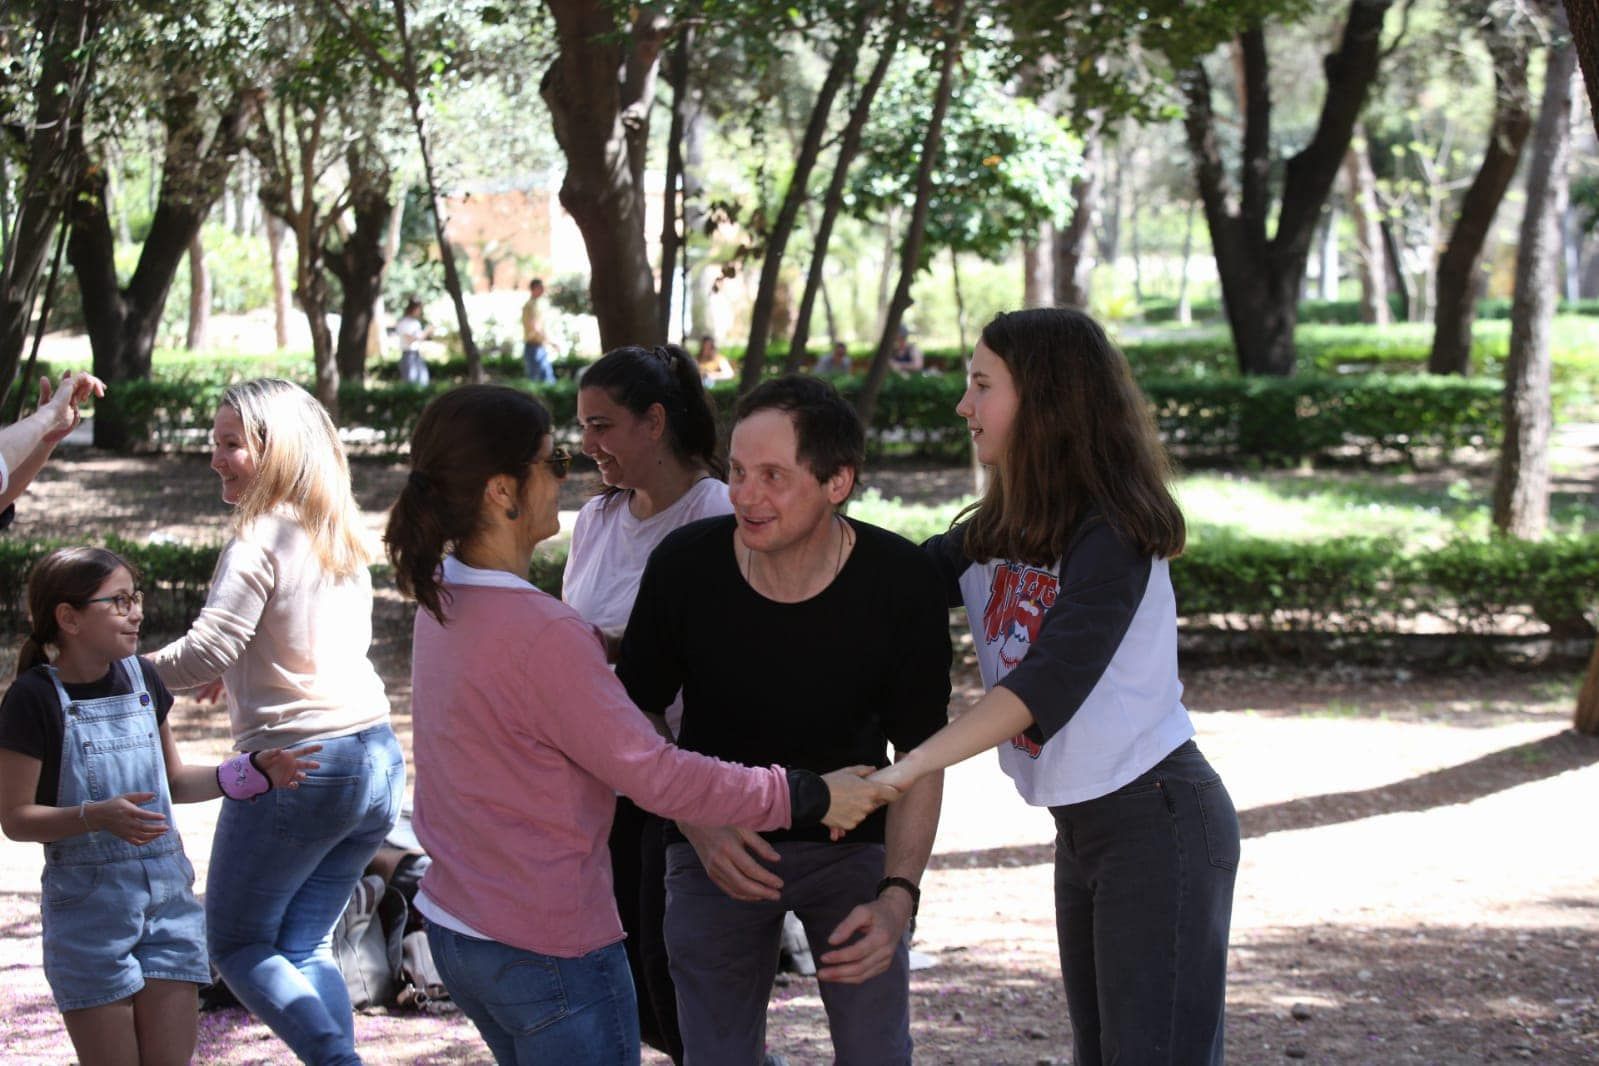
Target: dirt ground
1414	889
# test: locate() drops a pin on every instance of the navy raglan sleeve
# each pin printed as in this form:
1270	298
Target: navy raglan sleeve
949	558
1102	584
648	662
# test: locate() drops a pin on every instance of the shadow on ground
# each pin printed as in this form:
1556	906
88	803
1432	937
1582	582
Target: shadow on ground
1507	768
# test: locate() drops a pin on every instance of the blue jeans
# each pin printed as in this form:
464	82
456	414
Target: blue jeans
1143	903
543	1009
283	866
536	358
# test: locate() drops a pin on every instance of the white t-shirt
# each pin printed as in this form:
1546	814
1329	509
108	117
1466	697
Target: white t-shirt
1090	646
409	330
609	550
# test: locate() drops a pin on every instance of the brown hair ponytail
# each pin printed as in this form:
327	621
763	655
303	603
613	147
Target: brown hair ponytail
465	437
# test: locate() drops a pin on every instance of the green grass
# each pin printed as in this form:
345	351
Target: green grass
1311	507
1294	507
914	521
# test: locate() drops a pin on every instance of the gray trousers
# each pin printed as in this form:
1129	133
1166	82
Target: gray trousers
723	956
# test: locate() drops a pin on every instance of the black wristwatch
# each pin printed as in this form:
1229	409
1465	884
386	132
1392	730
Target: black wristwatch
909	886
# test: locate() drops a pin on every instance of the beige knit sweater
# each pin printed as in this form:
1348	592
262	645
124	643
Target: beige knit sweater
289	642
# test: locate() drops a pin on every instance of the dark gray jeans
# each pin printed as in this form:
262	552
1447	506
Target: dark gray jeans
723	956
1143	901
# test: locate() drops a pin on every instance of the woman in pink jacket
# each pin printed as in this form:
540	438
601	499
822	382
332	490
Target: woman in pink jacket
523	736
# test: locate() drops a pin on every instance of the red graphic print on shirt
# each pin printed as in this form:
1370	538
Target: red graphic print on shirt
1017	602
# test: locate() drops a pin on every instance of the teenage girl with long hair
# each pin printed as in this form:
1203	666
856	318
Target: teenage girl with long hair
1062	569
287	626
89	768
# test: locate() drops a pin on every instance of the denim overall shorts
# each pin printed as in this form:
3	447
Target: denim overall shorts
116	914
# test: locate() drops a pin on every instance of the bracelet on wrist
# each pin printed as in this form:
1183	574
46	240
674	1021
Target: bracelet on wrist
83	815
908	885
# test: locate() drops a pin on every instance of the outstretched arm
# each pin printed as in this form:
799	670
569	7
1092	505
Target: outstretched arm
26	445
991	721
196	784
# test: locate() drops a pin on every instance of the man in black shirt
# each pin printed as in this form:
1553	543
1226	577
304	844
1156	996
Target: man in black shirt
797	637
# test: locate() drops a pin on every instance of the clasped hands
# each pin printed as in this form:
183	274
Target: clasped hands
738	861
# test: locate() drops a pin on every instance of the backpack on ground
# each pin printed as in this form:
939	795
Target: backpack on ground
368	942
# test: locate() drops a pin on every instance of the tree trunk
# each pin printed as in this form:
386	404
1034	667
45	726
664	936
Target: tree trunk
840	70
1395	265
1185	310
590	116
1583	16
671	203
1038	261
54	160
911	247
280	281
849	145
885	278
1571	253
1113	175
1262	277
452	276
1073	262
960	298
123	321
1327	282
1521	482
199	297
1374	309
1584	20
1460	278
1586	719
360	262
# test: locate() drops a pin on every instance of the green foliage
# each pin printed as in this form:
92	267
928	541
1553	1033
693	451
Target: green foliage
1122	57
1370	418
1399	348
1286	420
1350	587
1005	166
174	577
1363	585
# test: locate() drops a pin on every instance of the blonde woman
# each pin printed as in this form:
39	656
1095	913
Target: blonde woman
287	628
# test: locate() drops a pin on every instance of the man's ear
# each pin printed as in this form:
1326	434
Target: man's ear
840	485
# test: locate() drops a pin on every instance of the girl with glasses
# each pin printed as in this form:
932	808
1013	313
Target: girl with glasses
648	425
287	627
524	737
89	768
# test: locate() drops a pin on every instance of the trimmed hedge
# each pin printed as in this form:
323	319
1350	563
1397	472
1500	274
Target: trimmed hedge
1371	418
174	577
1356	586
1279	591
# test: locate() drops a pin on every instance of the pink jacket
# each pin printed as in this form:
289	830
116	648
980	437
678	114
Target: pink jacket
522	737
